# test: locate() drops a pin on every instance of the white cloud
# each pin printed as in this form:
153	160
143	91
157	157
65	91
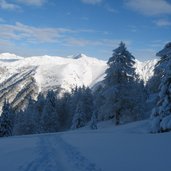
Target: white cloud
20	31
92	2
31	34
110	8
8	6
24	37
162	22
149	7
32	2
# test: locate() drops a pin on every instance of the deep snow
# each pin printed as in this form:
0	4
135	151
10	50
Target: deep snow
124	148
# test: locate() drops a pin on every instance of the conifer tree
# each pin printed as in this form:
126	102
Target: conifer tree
121	67
161	114
93	122
50	116
5	120
160	68
65	116
120	82
39	107
78	118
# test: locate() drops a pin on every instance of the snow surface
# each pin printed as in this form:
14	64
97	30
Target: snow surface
123	148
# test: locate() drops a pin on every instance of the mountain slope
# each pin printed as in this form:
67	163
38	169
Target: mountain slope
23	77
145	69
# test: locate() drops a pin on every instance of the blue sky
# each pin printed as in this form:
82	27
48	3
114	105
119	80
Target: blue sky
93	27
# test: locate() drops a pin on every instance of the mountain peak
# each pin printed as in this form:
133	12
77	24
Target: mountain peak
81	55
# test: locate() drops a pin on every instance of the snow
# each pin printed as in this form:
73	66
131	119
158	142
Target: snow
123	148
166	123
53	71
145	69
155	124
9	57
43	73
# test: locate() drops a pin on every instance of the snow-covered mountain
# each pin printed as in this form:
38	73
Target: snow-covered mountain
145	69
22	77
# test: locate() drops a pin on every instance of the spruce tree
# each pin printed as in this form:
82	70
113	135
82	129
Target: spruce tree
84	96
78	118
50	117
93	122
39	107
160	68
65	116
121	67
161	114
87	99
5	120
120	82
30	115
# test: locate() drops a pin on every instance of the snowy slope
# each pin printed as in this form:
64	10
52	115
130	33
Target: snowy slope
9	57
55	70
145	69
23	77
123	148
67	72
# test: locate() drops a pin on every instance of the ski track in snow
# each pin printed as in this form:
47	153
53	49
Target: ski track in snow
55	154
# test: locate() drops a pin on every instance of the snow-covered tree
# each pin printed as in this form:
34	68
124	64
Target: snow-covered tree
5	120
93	122
121	67
65	116
50	117
99	101
78	118
84	96
19	123
160	68
31	120
120	85
40	103
26	121
161	114
38	110
87	99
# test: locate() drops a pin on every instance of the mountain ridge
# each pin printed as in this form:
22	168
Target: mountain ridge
23	77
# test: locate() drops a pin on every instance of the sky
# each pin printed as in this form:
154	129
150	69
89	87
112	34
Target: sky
92	27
